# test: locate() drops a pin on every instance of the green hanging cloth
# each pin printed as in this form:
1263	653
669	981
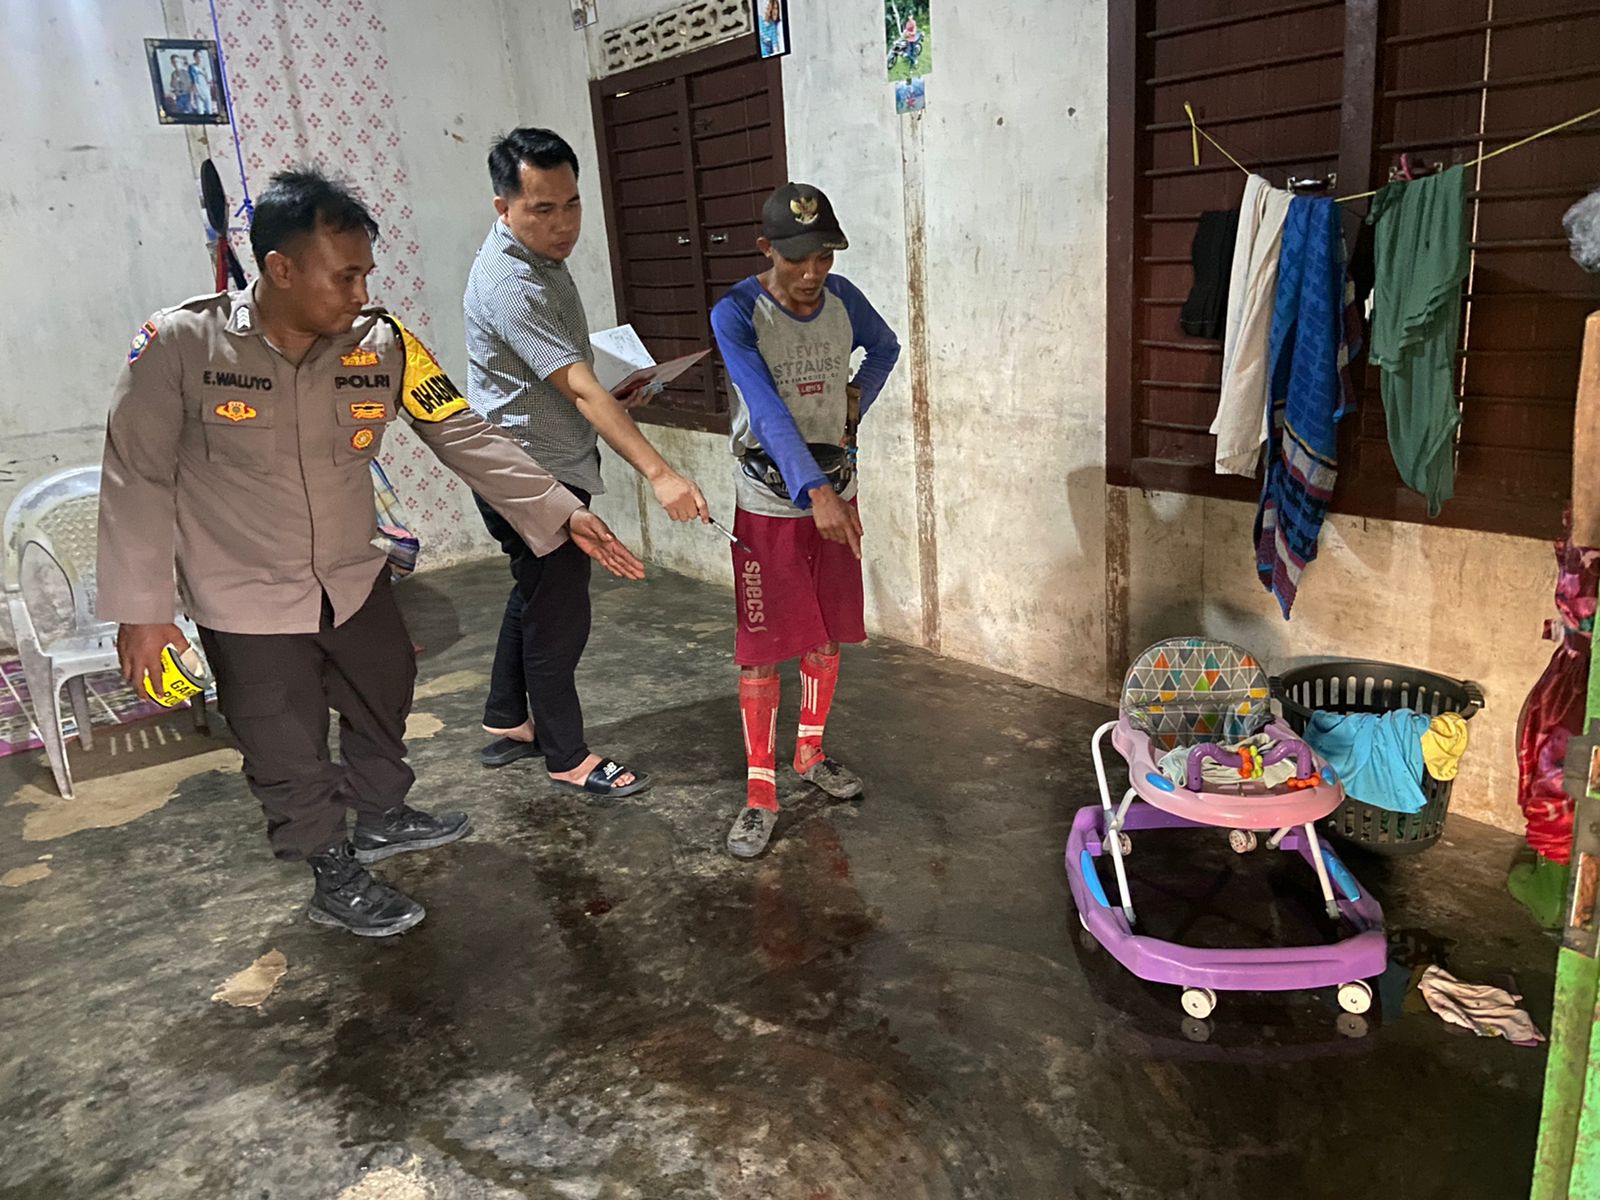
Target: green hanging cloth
1421	255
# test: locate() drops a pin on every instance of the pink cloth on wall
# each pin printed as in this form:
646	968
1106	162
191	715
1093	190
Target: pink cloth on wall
311	83
1554	709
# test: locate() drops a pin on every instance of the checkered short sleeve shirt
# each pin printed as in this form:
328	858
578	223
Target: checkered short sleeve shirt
525	321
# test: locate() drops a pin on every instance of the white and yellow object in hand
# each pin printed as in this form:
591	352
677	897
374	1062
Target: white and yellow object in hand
183	677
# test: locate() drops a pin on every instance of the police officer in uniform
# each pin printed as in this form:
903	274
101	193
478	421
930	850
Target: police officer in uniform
238	447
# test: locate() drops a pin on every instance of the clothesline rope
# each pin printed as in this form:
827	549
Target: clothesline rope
1196	133
247	208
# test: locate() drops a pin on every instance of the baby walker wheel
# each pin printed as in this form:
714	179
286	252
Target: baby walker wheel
1355	997
1199	1003
1086	939
1241	841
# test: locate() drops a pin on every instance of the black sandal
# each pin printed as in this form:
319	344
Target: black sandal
504	751
599	781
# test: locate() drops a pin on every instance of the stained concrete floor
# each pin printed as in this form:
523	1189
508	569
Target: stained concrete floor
893	1003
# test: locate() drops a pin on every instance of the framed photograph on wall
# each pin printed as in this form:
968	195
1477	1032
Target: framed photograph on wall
188	81
772	24
583	14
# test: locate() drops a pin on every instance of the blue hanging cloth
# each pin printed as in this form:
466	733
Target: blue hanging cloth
1314	335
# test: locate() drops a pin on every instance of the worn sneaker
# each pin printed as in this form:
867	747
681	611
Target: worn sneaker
751	831
839	782
406	828
348	897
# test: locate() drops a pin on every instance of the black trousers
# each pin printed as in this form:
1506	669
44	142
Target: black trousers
276	690
542	636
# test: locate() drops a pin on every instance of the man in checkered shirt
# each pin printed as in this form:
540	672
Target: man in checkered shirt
530	371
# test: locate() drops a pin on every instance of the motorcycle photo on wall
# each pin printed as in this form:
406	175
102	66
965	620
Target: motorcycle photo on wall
906	33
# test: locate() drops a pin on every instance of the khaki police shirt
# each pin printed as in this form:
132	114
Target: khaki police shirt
253	473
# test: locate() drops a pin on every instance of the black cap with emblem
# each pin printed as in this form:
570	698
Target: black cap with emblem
798	220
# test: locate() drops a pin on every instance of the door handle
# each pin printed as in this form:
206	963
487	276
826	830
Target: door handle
718	238
683	239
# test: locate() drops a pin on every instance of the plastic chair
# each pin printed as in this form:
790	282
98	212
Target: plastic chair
58	516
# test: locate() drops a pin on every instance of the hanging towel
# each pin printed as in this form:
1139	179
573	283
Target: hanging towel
1309	353
1377	756
1205	312
1240	425
1443	745
1487	1011
1421	257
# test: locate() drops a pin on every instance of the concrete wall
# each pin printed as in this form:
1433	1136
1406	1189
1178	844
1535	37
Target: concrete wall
1468	605
1013	187
100	222
1013	181
1005	175
451	74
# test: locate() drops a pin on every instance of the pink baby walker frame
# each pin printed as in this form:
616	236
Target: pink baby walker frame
1204	695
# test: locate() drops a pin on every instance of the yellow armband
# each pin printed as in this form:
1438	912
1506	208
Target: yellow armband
425	390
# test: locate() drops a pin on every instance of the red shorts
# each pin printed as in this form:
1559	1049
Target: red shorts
795	592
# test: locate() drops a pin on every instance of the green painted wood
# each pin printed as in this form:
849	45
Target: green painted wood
1567	1166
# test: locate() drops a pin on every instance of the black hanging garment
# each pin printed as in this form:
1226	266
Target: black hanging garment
1205	312
215	202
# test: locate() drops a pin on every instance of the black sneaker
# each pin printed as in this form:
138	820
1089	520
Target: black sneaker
348	897
838	781
751	831
405	828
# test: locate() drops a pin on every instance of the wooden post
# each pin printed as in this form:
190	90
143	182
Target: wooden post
1586	443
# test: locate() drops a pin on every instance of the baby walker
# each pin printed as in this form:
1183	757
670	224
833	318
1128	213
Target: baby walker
1202	709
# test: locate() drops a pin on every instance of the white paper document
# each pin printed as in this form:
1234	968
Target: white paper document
622	364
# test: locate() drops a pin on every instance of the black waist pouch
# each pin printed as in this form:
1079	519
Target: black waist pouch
834	462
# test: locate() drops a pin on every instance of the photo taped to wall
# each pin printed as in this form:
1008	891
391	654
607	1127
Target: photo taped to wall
907	34
772	24
910	95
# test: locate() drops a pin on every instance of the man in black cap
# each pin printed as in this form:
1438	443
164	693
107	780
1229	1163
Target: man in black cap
787	336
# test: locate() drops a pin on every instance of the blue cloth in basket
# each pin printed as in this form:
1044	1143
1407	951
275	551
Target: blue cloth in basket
1377	756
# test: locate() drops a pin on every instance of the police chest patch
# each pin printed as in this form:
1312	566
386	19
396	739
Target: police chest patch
367	411
359	357
141	341
235	411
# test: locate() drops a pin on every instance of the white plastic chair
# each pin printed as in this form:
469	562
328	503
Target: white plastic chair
58	516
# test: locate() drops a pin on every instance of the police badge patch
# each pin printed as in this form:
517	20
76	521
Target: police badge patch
141	342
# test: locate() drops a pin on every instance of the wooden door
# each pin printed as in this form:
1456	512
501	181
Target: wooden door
691	148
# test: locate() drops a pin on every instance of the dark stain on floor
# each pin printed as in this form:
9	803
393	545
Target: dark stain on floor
895	1002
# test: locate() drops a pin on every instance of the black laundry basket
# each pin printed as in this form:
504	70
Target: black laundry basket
1352	686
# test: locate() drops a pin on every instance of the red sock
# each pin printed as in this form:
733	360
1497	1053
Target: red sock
758	707
819	675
